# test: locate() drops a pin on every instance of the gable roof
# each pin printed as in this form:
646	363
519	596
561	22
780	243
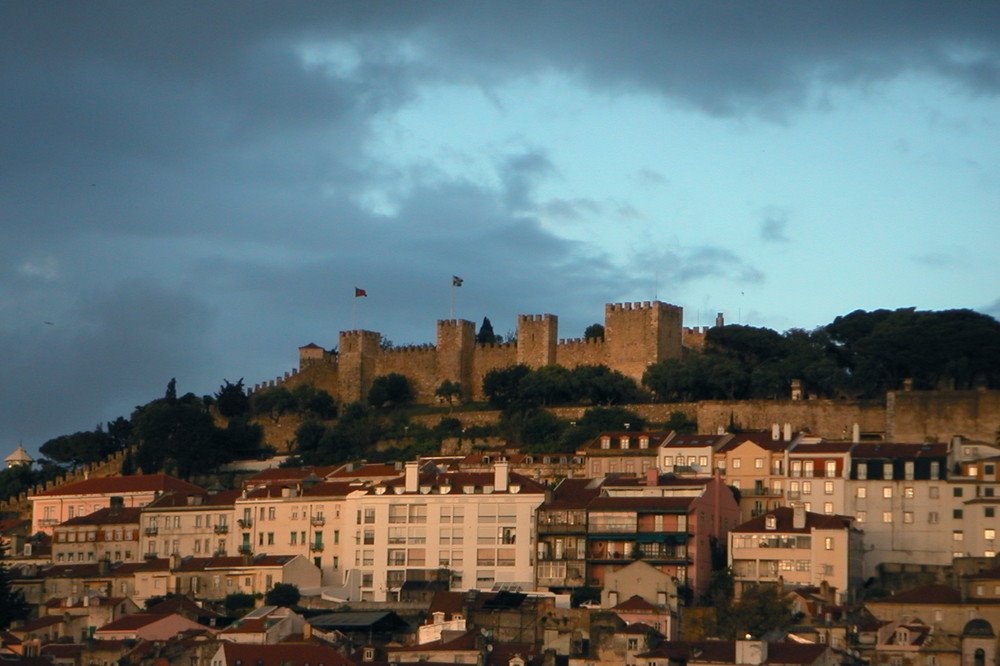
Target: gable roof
573	494
106	516
894	450
783	522
762	438
635	603
283	654
203	500
110	485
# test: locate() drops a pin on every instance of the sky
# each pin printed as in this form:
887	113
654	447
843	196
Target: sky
193	190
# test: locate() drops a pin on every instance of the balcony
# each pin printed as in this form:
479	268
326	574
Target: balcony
152	530
245	523
150	556
48	522
317	521
245	549
316	547
222	528
219	553
562	528
759	491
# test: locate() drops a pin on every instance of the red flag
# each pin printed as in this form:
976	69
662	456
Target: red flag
358	293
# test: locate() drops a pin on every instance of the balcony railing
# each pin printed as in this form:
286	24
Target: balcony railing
152	530
318	521
316	547
48	522
222	528
245	522
562	528
151	555
245	549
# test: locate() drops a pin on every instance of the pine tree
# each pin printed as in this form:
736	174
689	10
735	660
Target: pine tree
12	604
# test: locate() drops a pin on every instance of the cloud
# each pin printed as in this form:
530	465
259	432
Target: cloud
773	226
683	265
936	259
993	309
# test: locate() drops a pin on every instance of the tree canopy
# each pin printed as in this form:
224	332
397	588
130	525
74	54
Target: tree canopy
283	594
392	390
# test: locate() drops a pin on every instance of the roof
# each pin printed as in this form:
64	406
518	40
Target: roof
134	621
656	438
182	605
761	438
694	652
106	516
650	504
821	447
320	489
573	494
201	500
353	620
925	594
40	623
459	480
233	562
283	654
277	474
19	456
784	517
893	450
695	441
109	485
387	470
635	603
463	642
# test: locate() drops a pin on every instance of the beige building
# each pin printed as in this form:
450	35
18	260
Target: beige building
817	475
70	500
106	534
623	452
797	548
188	523
690	454
755	463
478	527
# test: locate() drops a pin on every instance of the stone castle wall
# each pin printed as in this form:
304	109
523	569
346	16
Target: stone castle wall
917	416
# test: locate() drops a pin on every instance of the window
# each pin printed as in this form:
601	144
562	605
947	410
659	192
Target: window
907	517
810	467
989	534
908	470
932	517
887	492
370	514
270	513
957	535
989	512
861	516
736	463
758	463
887	516
887	471
270	538
828	508
807	487
956	492
933	492
831	468
908	492
956	514
862	471
861	492
796	468
369	537
828	543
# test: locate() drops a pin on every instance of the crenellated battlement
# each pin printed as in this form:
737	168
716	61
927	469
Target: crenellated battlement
496	345
638	305
580	341
525	318
408	349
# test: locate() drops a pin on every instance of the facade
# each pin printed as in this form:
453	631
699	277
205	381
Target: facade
754	463
106	534
189	523
70	500
476	528
561	563
690	454
622	452
817	475
790	546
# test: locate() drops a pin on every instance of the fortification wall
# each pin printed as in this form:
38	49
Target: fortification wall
417	363
921	415
490	357
638	334
581	351
832	419
536	339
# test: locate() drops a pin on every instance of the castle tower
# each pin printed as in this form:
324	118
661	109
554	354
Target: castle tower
358	354
640	334
536	339
456	342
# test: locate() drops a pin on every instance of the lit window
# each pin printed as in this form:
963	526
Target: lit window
887	516
736	463
758	463
957	535
828	543
908	492
828	488
861	492
989	534
828	508
860	516
887	492
907	516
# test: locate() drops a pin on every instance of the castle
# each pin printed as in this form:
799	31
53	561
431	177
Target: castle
636	335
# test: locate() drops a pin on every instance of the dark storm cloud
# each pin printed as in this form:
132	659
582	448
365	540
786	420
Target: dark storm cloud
182	196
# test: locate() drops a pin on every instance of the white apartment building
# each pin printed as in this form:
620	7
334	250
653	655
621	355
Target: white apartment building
817	475
188	523
301	518
690	454
797	548
477	528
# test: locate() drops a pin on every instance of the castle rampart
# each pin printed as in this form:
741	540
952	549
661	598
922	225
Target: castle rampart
636	335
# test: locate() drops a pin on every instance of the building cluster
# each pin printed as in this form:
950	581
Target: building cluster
510	558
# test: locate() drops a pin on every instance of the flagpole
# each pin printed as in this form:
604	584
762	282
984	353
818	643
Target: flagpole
354	313
452	315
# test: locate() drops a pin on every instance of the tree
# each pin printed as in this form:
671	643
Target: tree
13	606
392	390
80	448
486	336
760	609
283	594
594	332
232	400
449	391
309	435
272	402
548	385
239	602
599	385
502	386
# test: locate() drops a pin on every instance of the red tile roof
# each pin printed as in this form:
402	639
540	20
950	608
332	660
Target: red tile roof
635	603
110	485
573	494
821	447
133	621
287	474
459	480
784	516
925	594
283	654
204	500
106	516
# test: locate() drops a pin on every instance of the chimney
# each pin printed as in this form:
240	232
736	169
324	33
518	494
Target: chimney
412	476
788	432
750	651
652	476
307	631
796	389
856	433
501	476
721	430
798	516
775	431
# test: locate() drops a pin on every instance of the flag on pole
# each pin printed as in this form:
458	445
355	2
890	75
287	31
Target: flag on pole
456	281
358	293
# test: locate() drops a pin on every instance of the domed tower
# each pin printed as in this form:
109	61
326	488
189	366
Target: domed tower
979	643
19	457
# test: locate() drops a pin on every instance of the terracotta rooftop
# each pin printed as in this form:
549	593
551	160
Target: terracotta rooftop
696	441
384	470
635	603
925	594
106	516
133	621
573	494
822	447
284	654
762	438
784	516
202	500
321	489
724	652
649	504
110	485
40	623
182	605
460	480
596	445
896	450
289	474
